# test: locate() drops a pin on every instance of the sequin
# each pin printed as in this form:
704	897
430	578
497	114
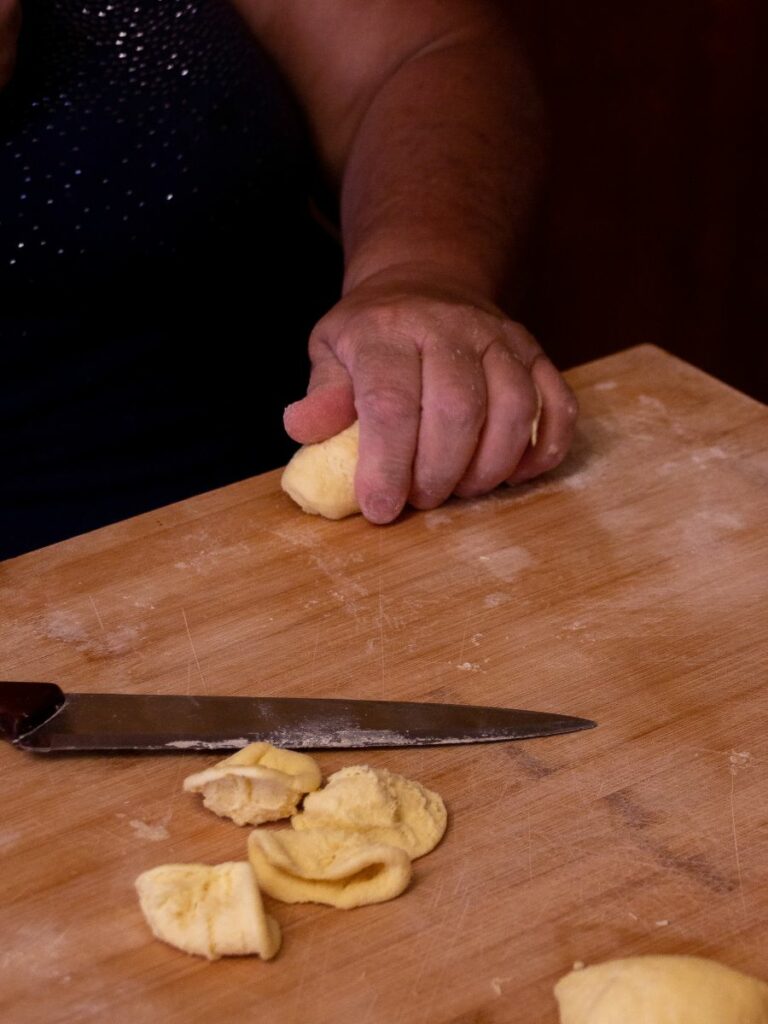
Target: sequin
162	245
130	107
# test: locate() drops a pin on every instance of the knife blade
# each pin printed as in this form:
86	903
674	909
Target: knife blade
40	717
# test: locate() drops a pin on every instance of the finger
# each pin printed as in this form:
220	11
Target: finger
453	401
513	405
329	404
387	385
521	343
559	412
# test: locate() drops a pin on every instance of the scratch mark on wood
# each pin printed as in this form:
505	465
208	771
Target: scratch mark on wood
312	667
496	983
382	688
96	613
464	637
203	680
735	839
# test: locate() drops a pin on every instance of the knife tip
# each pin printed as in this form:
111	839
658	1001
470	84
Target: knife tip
584	723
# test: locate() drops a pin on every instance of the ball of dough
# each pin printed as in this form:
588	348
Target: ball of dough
382	806
341	869
661	990
211	911
321	477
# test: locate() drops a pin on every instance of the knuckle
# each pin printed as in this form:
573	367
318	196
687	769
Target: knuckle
461	410
375	320
521	411
387	404
522	343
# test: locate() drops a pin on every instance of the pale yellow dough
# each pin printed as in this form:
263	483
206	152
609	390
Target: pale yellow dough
384	807
210	911
259	783
342	869
321	477
661	990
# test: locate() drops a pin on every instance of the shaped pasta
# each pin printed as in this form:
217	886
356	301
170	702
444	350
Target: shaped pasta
338	868
385	807
258	783
209	911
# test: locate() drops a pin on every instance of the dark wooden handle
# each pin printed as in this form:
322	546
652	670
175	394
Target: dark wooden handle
24	706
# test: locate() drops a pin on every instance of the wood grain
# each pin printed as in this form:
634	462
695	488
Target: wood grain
630	586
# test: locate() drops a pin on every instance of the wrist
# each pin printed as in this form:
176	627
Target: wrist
439	279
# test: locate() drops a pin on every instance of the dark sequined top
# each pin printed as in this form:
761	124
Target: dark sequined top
159	270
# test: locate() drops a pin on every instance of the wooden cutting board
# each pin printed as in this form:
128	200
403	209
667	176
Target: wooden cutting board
631	586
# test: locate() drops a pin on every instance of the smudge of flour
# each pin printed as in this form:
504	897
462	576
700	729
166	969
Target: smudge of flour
9	838
72	628
720	519
437	517
708	526
505	563
652	404
153	833
701	458
205	561
738	759
67	626
706	455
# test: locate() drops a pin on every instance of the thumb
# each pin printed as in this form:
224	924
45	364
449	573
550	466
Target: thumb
329	405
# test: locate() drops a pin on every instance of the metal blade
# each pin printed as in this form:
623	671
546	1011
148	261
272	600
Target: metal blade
111	721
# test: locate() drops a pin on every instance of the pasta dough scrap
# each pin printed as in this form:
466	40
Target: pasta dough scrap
321	477
210	911
385	807
342	869
258	783
661	990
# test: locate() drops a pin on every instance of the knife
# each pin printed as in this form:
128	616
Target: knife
40	717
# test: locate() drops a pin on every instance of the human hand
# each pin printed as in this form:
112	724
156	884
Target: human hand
446	388
10	22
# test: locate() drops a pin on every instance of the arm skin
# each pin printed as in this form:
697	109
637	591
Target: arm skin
423	115
10	22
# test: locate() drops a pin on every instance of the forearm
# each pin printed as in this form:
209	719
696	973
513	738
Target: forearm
441	173
424	114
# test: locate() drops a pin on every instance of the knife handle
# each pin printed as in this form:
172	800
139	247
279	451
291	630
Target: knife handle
24	706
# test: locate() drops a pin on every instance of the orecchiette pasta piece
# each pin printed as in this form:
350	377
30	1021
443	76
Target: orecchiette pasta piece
341	869
258	783
385	807
210	911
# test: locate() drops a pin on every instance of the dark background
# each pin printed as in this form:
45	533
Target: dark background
654	223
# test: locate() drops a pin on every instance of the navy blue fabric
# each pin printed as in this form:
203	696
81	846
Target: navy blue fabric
159	267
